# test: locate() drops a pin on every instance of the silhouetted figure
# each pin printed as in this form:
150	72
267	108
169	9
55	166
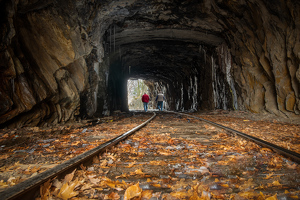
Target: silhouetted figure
160	100
145	100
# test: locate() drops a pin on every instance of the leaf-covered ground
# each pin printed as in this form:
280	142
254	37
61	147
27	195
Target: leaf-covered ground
275	130
25	152
171	158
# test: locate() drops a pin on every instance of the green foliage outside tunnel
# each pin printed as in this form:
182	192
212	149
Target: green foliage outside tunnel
135	91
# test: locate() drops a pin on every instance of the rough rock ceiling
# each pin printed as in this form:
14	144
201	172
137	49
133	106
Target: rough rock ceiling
158	38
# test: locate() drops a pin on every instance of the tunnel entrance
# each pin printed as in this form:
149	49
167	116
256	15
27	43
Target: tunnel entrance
135	90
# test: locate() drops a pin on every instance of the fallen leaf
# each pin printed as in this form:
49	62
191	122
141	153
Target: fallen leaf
179	194
292	166
272	197
83	167
86	186
147	194
104	163
156	185
113	196
261	196
195	197
205	195
139	172
4	156
157	162
265	149
45	190
96	160
248	195
122	176
165	153
93	180
131	164
3	184
156	194
132	192
276	183
203	170
67	190
69	177
56	183
269	176
119	189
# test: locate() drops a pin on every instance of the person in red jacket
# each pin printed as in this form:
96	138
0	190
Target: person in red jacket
145	100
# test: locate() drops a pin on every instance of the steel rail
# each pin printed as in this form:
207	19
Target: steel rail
285	152
29	188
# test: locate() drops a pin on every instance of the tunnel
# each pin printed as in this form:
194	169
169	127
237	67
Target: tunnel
70	60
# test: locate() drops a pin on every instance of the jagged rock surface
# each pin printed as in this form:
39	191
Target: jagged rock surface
62	59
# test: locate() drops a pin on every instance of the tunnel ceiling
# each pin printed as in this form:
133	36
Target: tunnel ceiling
160	40
148	59
66	59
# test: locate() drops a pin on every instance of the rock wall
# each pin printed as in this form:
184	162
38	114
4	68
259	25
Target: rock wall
60	60
265	46
43	70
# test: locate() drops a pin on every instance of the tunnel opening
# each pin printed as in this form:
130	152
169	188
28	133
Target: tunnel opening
136	88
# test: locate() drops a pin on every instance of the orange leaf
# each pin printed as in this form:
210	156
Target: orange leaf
131	164
113	196
132	192
96	160
67	191
110	184
269	176
163	152
272	197
261	196
195	197
156	185
138	172
3	184
265	150
276	183
179	194
248	195
4	156
292	166
147	194
121	176
45	190
170	141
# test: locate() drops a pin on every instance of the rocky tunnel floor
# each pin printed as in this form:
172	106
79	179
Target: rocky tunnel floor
171	158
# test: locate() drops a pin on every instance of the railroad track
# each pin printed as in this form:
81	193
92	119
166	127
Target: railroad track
30	188
285	152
